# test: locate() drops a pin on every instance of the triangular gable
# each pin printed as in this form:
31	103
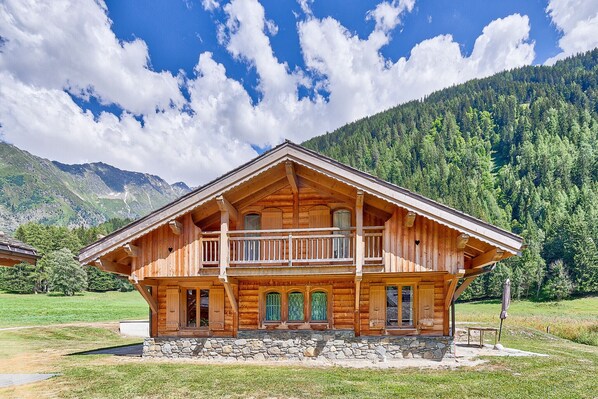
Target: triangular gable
288	151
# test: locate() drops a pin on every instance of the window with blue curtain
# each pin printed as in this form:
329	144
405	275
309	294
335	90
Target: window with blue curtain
296	306
319	306
273	306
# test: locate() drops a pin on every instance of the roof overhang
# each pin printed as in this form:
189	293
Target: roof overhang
287	151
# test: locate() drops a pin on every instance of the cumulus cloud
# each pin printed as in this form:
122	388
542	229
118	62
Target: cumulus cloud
578	22
196	139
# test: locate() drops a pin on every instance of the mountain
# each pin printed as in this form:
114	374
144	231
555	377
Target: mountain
518	149
34	189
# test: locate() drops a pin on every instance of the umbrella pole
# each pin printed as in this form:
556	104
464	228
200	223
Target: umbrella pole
500	330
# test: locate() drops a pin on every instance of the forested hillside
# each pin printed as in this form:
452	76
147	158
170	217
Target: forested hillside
518	149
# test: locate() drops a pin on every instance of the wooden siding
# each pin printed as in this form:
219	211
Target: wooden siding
435	250
165	254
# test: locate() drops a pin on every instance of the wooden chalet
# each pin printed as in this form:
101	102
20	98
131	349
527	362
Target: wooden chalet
294	240
13	252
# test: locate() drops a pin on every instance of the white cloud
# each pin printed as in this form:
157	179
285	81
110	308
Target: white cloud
210	5
209	134
387	15
578	21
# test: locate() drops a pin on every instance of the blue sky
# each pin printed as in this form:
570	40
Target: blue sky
190	89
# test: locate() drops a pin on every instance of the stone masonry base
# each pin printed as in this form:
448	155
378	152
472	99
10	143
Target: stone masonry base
300	345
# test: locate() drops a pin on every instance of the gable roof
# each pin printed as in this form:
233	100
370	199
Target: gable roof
288	151
16	249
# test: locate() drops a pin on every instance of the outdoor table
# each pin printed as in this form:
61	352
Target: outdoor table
482	330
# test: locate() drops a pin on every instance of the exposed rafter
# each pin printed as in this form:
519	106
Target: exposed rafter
131	250
487	258
462	240
113	267
410	219
176	227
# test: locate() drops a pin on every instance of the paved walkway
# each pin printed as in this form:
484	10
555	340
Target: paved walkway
10	380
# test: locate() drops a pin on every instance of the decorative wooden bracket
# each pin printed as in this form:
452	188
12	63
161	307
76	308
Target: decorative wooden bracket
226	206
229	293
142	288
176	227
463	286
131	250
451	290
487	258
409	219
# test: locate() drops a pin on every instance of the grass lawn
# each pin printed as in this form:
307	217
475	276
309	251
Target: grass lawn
36	310
569	372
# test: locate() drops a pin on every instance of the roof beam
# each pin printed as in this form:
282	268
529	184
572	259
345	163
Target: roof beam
176	227
487	258
131	250
113	267
291	176
409	219
262	193
327	191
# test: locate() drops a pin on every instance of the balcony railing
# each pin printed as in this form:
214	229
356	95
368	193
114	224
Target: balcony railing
292	246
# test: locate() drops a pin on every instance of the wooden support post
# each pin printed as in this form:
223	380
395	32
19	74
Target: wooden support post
357	318
487	258
149	298
462	240
223	247
409	219
359	242
113	267
463	286
176	227
131	250
451	290
224	205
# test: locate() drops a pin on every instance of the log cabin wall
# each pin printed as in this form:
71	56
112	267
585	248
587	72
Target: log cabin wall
424	247
420	283
166	254
342	299
167	331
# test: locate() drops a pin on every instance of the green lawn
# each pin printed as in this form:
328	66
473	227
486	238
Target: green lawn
575	319
35	310
569	372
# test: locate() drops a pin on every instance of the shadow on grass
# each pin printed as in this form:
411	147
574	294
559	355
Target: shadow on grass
134	350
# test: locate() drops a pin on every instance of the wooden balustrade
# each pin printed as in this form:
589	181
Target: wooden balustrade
292	247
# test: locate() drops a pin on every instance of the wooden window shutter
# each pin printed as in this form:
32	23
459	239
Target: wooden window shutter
272	219
426	305
319	216
172	308
217	309
377	307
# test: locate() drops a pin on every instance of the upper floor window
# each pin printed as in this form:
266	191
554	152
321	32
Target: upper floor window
252	221
342	245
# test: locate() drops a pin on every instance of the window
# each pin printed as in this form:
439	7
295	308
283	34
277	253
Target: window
399	308
197	306
319	306
273	306
296	309
342	245
252	247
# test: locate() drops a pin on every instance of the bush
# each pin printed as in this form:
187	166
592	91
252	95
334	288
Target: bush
64	273
559	285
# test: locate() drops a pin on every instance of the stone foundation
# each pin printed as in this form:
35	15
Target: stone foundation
300	345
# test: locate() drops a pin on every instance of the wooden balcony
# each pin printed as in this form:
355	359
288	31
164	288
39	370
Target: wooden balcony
305	248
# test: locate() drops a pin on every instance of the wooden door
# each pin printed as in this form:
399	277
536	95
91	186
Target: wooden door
172	309
217	309
426	305
377	307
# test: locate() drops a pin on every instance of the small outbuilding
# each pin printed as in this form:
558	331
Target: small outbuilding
13	251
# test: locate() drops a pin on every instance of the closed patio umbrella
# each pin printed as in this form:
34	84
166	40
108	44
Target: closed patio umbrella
506	301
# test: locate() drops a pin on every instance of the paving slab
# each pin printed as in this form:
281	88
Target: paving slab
11	380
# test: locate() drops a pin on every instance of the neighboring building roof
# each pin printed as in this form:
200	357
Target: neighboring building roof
372	185
12	249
